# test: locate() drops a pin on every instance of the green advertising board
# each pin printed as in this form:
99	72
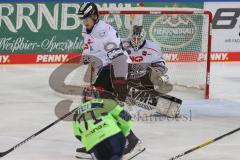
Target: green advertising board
55	27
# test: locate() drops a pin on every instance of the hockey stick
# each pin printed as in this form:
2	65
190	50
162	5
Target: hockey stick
37	133
204	144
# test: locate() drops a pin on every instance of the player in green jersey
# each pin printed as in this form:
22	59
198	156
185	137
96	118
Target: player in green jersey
102	126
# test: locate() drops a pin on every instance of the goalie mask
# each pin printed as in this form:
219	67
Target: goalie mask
138	37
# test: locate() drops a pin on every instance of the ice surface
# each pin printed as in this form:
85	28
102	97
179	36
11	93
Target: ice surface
27	104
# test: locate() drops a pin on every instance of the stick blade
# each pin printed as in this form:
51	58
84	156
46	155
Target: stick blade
2	154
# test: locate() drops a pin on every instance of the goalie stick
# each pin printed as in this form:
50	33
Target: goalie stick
2	154
204	144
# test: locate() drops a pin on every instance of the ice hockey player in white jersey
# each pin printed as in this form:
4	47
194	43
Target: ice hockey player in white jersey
101	41
148	65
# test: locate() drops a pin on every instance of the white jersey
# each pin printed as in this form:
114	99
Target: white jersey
100	41
149	52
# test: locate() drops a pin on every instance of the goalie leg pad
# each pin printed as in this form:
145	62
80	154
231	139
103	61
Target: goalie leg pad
153	101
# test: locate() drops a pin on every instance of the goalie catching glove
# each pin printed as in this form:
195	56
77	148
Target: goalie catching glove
159	78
